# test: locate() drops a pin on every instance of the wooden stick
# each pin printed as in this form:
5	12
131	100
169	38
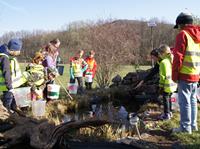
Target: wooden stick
64	88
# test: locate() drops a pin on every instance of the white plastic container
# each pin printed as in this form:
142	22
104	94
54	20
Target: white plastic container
22	96
38	108
72	87
88	78
53	91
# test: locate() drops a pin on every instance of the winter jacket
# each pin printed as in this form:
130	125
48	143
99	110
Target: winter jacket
34	74
152	73
10	73
165	75
180	51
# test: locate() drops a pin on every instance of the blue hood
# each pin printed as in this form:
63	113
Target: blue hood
3	49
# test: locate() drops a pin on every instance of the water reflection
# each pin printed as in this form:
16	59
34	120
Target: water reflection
107	111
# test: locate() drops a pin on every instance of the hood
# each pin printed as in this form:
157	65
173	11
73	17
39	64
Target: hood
194	32
3	49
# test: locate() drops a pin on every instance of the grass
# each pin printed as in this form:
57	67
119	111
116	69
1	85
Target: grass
122	71
189	141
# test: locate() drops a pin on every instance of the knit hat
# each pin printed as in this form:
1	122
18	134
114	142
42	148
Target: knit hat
15	45
183	18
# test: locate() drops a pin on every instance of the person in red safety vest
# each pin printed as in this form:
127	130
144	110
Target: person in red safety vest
186	70
90	72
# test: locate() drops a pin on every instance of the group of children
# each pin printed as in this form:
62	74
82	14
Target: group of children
80	67
40	72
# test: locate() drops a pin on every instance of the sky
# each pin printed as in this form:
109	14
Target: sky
29	15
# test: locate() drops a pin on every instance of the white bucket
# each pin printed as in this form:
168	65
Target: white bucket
88	78
22	96
72	87
53	91
38	107
174	100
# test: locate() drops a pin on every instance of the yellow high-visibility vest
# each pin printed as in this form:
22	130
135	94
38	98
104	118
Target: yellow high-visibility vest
165	71
191	61
35	74
16	75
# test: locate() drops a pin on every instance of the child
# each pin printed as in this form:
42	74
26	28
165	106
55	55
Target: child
52	73
77	67
154	71
35	76
10	74
91	70
166	85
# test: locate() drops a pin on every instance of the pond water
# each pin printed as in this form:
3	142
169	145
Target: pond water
118	115
101	111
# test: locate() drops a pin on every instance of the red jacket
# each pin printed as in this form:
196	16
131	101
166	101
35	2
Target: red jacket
92	66
179	51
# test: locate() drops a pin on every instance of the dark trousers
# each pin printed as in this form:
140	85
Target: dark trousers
167	102
9	101
88	85
80	83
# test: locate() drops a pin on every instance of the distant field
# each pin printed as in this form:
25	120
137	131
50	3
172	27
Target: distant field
123	70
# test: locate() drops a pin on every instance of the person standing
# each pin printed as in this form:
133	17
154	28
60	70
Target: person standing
91	70
10	74
185	71
56	44
50	57
77	67
166	85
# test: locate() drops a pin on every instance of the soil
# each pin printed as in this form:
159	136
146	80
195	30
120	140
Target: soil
159	137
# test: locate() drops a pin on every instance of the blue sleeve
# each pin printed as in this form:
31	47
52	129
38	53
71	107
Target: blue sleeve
85	66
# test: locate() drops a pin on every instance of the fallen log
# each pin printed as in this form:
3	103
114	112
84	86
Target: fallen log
41	133
67	127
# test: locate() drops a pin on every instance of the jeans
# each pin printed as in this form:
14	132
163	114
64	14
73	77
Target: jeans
9	101
187	94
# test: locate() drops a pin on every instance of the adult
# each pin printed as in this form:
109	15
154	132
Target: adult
185	71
